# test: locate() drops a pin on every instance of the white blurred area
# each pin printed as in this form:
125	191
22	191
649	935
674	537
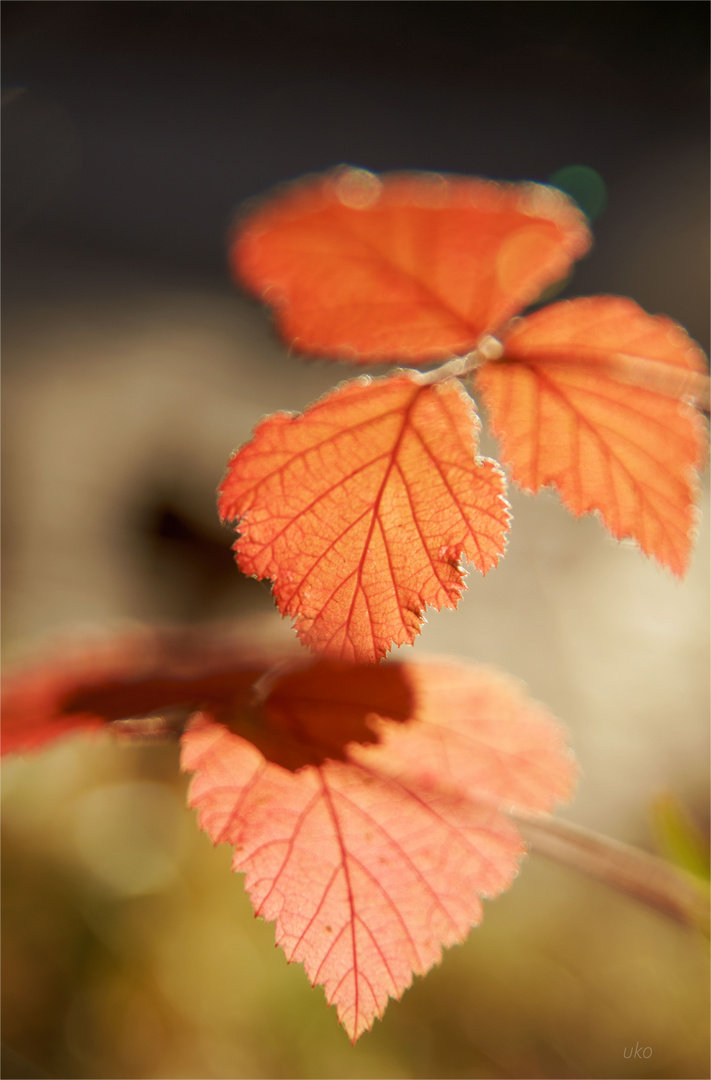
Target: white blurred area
114	405
135	392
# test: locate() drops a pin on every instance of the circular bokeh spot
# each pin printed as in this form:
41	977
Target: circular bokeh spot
585	185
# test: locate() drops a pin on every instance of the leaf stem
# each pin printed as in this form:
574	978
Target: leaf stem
655	375
489	348
645	877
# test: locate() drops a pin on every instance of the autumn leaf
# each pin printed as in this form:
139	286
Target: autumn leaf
302	712
32	707
477	731
361	509
148	675
371	865
586	399
150	681
404	267
368	805
420	267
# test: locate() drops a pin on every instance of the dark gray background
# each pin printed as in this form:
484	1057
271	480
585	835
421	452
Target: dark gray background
143	125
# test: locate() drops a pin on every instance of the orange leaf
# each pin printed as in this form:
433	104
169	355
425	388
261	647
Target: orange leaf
407	267
301	713
477	732
150	681
145	675
367	805
563	406
361	508
369	866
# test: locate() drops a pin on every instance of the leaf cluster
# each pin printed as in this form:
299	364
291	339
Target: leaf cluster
370	804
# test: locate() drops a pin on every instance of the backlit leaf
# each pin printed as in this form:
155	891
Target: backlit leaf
366	804
148	683
404	267
304	713
361	508
147	675
586	399
370	865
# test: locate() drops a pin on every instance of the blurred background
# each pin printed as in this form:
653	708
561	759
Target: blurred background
132	368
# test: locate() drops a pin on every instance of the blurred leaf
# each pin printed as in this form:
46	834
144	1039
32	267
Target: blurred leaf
678	836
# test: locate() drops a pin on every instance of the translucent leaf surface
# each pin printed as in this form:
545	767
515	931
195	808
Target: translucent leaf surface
587	400
147	675
366	804
361	508
370	865
405	267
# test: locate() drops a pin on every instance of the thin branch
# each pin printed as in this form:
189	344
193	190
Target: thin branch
655	375
489	348
645	877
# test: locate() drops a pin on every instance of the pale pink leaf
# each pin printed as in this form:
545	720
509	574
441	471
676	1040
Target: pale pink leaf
371	865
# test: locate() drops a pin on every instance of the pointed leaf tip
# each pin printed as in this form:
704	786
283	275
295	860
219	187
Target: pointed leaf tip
371	865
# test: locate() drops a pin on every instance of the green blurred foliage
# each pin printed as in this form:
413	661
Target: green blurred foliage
678	836
585	185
